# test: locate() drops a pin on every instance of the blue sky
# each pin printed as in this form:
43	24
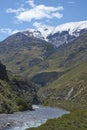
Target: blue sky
18	15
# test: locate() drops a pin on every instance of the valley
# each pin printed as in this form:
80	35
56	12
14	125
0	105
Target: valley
51	71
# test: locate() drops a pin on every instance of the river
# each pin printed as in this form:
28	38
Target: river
27	119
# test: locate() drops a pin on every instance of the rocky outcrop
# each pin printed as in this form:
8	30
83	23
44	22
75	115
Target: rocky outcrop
3	72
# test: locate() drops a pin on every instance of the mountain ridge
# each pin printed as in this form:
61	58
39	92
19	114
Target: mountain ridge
69	31
60	74
22	52
69	89
38	60
58	35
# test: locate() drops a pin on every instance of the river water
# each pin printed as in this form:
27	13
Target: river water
27	119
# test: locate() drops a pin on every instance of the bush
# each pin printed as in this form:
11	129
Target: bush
23	104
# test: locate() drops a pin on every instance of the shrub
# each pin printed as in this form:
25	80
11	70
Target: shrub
23	104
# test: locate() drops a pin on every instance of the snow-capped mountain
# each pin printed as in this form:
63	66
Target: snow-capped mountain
67	32
33	33
41	32
58	35
71	27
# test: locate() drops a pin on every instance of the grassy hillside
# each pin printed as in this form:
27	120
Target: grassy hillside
62	74
69	91
68	55
21	54
77	120
69	88
16	94
64	60
29	56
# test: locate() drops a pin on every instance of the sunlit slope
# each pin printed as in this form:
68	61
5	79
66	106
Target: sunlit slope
21	53
71	86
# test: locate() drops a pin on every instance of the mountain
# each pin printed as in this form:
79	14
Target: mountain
19	40
60	74
63	60
66	33
41	32
27	53
21	53
69	89
59	35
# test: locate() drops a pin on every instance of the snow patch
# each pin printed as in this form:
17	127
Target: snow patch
71	27
43	31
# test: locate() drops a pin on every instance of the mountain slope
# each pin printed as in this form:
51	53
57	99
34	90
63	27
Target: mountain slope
60	34
25	52
66	33
20	52
61	72
16	94
62	61
76	120
69	90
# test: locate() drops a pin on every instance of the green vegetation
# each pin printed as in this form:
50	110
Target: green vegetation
76	120
69	90
62	73
23	55
23	104
16	94
13	96
45	77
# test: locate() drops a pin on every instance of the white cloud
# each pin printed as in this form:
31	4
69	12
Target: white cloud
8	31
40	25
36	12
40	12
31	3
57	15
10	10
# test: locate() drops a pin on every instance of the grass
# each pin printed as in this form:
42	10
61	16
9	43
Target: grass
16	94
55	94
71	59
76	120
76	78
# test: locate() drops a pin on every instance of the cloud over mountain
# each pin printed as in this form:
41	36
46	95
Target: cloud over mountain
8	31
36	12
